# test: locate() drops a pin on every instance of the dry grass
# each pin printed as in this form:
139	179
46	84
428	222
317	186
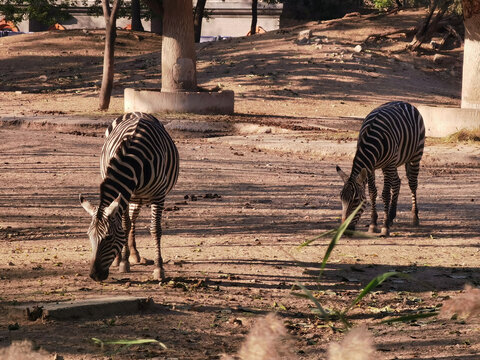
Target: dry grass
23	350
466	304
357	345
267	340
465	135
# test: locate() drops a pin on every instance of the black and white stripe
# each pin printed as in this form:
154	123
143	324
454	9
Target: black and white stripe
391	135
139	166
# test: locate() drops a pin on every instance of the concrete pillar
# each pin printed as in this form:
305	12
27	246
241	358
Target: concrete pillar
471	62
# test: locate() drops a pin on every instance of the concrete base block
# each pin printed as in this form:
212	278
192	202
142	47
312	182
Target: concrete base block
441	121
152	101
99	307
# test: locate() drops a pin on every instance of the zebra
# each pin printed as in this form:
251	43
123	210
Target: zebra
139	165
391	135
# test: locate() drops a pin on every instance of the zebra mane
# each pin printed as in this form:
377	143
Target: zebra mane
114	123
108	181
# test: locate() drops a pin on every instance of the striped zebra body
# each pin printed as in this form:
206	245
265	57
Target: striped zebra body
391	135
139	165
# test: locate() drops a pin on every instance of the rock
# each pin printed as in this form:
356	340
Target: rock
358	48
440	59
304	37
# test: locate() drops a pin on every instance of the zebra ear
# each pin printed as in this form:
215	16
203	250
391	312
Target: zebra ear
112	208
342	174
89	208
362	177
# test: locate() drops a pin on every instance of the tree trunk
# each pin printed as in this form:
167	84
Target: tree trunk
198	18
253	27
178	47
471	55
110	16
136	16
427	29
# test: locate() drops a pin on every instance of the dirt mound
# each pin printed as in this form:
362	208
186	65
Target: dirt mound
336	73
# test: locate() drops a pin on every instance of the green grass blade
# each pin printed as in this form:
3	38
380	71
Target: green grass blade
338	234
128	342
325	234
309	294
373	284
98	342
408	318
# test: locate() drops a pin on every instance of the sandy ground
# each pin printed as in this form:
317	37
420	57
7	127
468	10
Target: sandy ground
234	257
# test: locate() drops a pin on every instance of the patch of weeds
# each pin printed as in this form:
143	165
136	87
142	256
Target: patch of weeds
342	315
464	135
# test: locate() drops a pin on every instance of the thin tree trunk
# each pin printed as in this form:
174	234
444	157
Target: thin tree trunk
178	47
110	16
429	26
136	16
198	18
253	27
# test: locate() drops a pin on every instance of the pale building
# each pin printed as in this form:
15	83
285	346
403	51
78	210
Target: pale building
227	18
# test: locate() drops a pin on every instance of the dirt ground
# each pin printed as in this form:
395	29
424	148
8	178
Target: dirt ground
234	257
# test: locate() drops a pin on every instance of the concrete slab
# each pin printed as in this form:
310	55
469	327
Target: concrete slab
47	122
154	101
442	121
98	307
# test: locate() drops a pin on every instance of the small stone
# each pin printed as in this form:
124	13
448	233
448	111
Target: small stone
358	48
304	36
440	59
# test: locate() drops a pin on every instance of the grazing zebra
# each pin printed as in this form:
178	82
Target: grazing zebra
139	166
391	135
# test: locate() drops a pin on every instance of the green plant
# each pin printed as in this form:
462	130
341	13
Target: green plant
383	4
47	12
127	343
371	286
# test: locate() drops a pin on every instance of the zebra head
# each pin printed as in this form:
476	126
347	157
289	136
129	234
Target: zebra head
106	236
352	194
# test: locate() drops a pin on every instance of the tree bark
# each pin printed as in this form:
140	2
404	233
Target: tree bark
471	55
178	48
198	18
110	16
136	16
253	27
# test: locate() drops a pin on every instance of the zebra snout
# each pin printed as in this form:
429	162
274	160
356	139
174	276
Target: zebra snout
98	275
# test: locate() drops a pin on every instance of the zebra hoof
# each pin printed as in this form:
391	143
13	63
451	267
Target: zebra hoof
139	260
385	232
158	274
124	267
134	258
415	222
372	229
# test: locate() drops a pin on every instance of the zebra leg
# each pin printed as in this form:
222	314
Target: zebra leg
395	181
372	191
412	170
156	232
124	265
134	258
386	197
